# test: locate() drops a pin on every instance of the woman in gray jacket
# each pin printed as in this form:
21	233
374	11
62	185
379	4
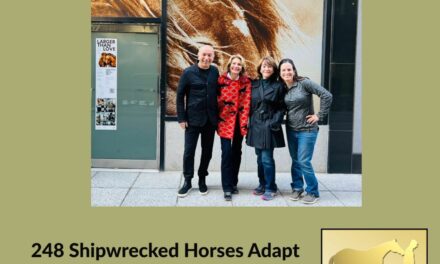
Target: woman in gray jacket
302	128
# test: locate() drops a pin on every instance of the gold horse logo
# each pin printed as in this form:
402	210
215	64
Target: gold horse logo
374	255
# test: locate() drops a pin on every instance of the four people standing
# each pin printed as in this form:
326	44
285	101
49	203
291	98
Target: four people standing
237	107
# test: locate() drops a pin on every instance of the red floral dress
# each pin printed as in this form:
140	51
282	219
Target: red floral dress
234	99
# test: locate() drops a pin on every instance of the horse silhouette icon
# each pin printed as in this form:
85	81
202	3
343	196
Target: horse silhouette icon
374	255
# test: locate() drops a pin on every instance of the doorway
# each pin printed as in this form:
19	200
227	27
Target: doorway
125	101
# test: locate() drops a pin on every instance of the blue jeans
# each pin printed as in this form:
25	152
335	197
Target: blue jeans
266	169
301	145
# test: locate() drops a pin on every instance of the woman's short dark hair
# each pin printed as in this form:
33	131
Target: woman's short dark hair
271	61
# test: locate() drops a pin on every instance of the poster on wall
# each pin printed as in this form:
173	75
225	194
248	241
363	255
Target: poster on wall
106	83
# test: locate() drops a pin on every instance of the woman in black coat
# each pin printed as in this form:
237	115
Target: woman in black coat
266	116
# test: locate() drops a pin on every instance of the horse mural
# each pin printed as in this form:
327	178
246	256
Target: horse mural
374	255
252	28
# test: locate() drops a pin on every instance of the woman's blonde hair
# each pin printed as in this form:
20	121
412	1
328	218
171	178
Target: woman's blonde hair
243	63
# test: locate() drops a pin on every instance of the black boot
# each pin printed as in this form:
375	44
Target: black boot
186	188
202	186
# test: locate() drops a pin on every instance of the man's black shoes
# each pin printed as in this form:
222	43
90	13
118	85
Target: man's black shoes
203	189
186	188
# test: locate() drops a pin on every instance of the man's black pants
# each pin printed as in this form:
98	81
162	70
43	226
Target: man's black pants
192	133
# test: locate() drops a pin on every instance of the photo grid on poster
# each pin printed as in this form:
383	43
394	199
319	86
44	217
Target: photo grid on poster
106	84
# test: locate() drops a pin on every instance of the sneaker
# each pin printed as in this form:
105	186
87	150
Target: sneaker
259	190
310	199
228	196
186	188
267	196
234	190
296	195
203	189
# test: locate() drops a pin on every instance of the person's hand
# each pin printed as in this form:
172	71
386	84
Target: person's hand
311	119
183	125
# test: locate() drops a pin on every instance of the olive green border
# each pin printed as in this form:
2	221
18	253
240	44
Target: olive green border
45	196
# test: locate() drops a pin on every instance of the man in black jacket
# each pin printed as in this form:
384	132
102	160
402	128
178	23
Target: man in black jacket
198	115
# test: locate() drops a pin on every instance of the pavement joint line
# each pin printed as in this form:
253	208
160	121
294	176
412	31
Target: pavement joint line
180	184
154	188
123	170
98	187
343	204
128	191
321	183
345	191
346	205
285	199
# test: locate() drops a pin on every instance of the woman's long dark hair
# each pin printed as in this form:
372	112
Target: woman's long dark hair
296	77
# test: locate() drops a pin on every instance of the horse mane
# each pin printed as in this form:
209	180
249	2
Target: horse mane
258	23
126	8
264	23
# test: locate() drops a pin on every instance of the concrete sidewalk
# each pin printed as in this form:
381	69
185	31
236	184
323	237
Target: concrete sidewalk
130	188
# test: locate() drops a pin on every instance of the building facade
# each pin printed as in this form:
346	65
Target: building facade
139	49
